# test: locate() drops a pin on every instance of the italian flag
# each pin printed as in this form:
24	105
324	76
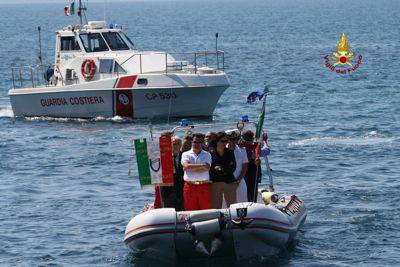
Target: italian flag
154	161
260	122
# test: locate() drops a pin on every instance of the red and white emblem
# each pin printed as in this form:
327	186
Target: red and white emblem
123	99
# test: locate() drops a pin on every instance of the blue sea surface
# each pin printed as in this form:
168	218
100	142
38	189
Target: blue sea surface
65	196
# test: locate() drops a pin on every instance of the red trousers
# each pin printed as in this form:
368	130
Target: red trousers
157	198
197	197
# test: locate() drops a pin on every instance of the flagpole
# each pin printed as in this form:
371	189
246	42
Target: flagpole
80	12
271	181
260	141
257	156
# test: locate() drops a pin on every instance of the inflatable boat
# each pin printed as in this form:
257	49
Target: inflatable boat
244	230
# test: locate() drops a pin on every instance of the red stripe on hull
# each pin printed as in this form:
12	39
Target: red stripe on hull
126	82
167	224
148	226
154	233
124	103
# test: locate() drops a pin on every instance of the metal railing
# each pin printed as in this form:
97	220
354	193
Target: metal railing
185	61
33	76
191	62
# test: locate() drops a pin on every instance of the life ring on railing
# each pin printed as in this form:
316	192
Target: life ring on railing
88	69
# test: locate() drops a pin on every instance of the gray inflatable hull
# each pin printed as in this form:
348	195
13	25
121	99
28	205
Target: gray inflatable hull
168	235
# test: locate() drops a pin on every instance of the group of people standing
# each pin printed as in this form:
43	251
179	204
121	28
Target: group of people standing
213	171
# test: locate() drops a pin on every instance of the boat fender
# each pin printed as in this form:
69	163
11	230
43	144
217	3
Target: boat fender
88	69
210	227
204	215
269	197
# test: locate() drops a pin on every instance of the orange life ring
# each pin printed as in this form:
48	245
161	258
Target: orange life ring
88	69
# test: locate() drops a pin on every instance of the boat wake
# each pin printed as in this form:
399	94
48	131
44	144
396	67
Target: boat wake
371	138
96	119
6	112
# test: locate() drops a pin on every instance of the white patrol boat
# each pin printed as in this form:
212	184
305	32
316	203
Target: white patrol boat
98	72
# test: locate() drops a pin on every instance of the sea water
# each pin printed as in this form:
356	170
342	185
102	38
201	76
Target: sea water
65	196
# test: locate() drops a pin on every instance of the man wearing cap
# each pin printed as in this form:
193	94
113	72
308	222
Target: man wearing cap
196	165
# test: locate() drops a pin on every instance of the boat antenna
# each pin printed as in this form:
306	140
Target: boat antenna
40	46
216	42
81	11
104	10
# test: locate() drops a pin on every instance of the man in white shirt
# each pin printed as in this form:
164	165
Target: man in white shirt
241	165
196	164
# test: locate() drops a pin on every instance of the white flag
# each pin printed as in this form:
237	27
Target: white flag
153	150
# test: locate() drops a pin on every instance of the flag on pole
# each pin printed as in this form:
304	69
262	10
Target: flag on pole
252	97
66	10
167	162
260	121
153	150
72	7
154	161
142	160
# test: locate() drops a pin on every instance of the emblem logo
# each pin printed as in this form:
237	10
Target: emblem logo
343	58
123	99
155	164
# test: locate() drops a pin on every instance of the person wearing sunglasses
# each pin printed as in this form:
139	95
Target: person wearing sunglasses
222	173
209	141
196	165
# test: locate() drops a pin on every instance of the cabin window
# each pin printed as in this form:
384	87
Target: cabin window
118	68
93	42
127	40
114	40
142	81
69	44
106	65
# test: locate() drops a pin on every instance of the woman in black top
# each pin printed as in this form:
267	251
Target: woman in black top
221	173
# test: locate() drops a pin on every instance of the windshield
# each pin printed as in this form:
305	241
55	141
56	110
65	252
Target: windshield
93	42
115	42
129	41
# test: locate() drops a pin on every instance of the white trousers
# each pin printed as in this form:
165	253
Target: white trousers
241	193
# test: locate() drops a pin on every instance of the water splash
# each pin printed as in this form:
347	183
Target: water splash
96	119
6	112
371	138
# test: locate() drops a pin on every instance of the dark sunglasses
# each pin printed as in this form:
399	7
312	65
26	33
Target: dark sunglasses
198	142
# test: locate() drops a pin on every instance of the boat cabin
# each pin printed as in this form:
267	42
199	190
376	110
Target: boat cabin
94	52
